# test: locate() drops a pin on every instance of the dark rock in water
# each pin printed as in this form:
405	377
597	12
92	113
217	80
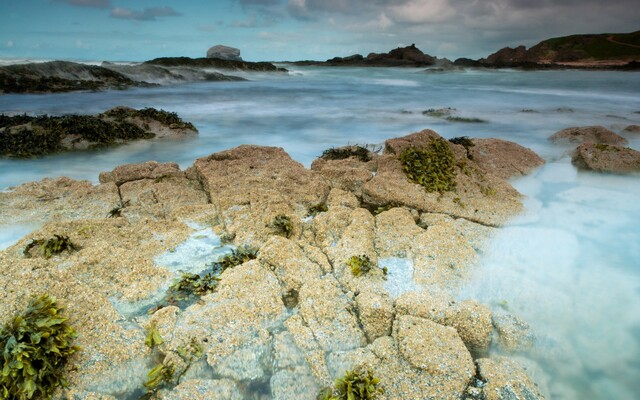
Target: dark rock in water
60	76
169	75
588	134
214	63
632	129
25	136
606	158
409	56
224	53
467	62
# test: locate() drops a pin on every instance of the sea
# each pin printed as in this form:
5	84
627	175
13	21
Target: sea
569	265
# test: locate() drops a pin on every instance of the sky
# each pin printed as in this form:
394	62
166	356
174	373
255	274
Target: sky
288	30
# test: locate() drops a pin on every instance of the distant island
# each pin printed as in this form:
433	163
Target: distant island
607	51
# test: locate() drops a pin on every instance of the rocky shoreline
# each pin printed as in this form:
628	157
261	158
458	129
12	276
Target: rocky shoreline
288	322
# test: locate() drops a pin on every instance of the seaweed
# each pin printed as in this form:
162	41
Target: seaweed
465	120
317	209
340	153
50	247
354	385
282	225
237	257
463	140
438	113
433	167
359	264
36	346
153	338
159	376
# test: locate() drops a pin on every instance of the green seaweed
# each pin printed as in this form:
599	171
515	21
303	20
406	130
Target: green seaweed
317	209
359	264
341	153
282	225
433	167
36	347
465	120
438	113
50	247
153	338
159	376
463	140
354	385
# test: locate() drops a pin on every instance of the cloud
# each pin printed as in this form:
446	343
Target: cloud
10	43
87	3
250	22
148	14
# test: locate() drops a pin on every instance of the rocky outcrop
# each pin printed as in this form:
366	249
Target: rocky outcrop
503	158
606	158
214	63
60	76
224	53
587	134
25	136
409	56
282	325
504	379
160	75
632	129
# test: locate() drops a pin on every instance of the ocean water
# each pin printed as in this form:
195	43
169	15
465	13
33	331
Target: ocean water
569	265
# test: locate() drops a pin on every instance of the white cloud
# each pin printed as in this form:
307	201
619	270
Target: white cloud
148	14
87	3
422	11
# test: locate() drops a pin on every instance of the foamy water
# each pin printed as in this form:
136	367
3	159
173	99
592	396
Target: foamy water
570	265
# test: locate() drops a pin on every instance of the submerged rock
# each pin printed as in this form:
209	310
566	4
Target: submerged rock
588	134
606	158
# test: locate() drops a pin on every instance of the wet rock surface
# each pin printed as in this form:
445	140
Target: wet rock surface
606	158
282	325
588	134
24	136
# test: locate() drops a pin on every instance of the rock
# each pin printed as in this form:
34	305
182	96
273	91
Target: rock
588	134
203	389
251	185
179	64
409	56
472	321
24	136
376	314
632	129
224	53
507	56
435	349
347	174
514	334
479	197
506	380
147	170
503	158
606	158
60	76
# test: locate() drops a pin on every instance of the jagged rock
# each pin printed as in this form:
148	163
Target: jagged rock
409	56
606	158
224	53
250	185
588	134
503	158
479	196
514	334
506	380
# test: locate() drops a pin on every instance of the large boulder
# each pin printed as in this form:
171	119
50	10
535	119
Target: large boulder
477	196
504	158
224	53
606	158
587	134
505	379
